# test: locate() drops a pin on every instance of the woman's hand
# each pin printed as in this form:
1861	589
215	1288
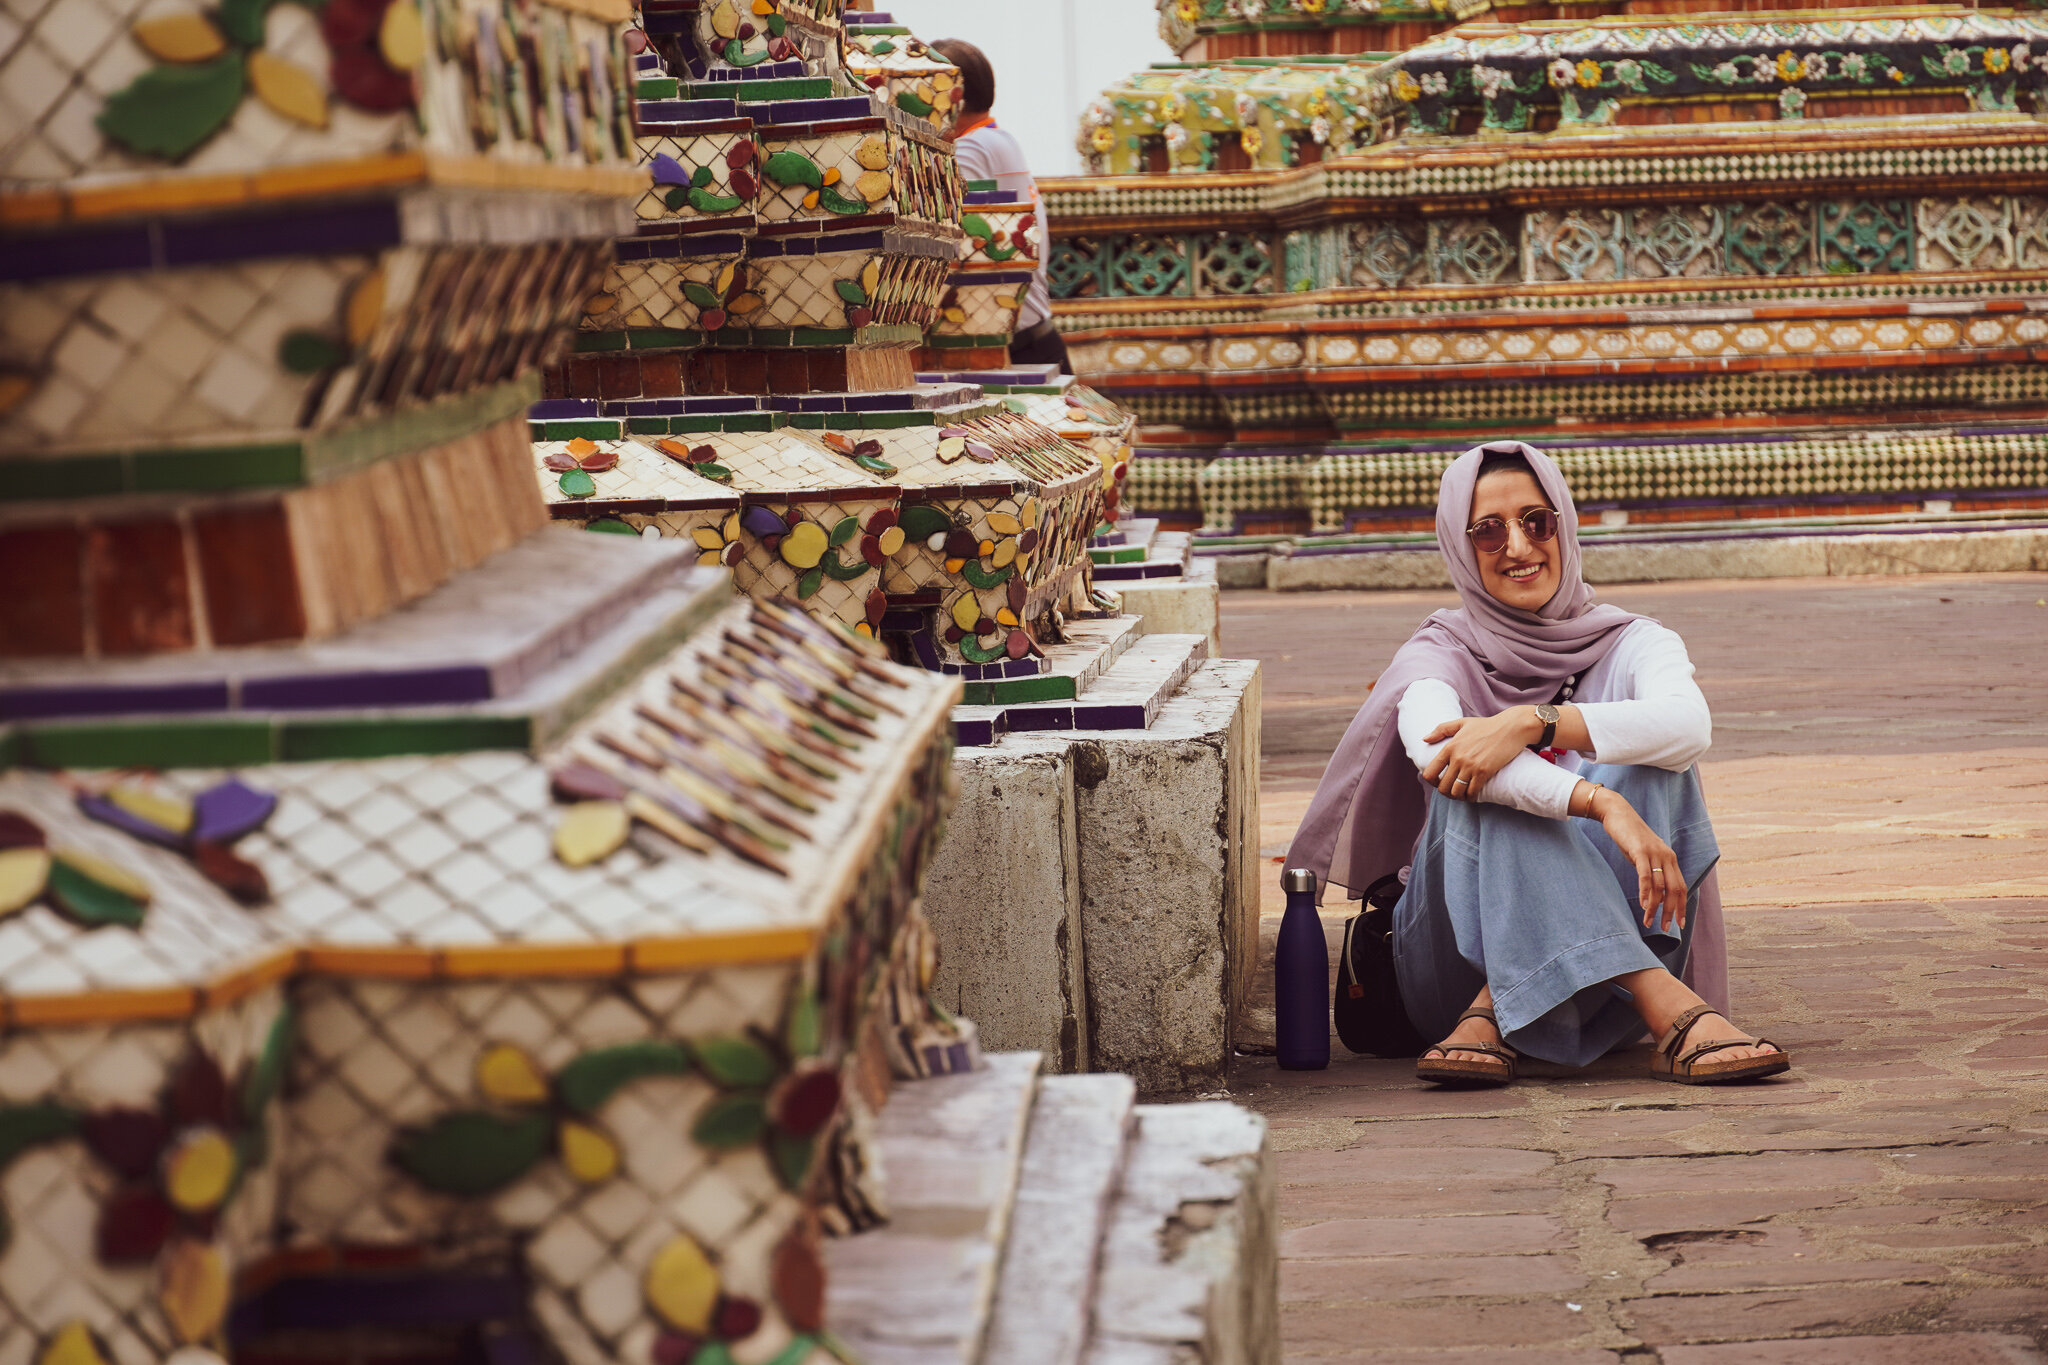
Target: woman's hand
1478	748
1660	888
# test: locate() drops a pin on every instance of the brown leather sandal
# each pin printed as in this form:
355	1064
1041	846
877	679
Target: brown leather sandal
1667	1063
1446	1070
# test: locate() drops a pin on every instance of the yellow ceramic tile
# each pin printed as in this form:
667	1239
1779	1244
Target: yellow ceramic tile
324	177
31	207
619	181
535	959
408	963
101	1007
721	950
158	194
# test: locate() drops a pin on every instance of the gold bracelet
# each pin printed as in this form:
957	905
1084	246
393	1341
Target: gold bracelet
1597	787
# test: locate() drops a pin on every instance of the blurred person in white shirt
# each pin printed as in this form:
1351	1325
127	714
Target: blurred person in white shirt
986	152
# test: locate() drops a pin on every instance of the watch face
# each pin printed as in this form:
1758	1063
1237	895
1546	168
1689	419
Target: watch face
1547	714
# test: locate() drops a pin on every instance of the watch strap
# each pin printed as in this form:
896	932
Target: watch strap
1549	728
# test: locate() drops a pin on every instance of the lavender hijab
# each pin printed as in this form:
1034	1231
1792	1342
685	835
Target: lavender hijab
1368	810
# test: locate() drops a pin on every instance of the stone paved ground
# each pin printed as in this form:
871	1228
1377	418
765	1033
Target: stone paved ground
1880	786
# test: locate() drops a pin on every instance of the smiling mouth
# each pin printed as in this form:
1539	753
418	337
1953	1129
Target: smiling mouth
1522	573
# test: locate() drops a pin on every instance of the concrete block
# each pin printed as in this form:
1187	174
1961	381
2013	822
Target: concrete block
1168	821
1073	1161
1377	569
2023	551
1664	561
1190	1267
1238	571
918	1290
1004	898
1176	606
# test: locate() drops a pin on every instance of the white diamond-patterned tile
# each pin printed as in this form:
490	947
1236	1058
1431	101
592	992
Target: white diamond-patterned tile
175	353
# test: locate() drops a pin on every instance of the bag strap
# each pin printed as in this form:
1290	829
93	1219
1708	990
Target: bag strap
1382	894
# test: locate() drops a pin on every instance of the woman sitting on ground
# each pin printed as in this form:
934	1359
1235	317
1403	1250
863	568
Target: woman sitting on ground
1560	891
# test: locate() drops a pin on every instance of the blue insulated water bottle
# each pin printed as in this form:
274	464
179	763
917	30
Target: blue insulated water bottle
1301	978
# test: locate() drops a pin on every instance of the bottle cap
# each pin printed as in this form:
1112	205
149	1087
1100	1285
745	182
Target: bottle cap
1297	879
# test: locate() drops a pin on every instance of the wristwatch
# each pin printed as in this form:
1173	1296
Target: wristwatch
1546	713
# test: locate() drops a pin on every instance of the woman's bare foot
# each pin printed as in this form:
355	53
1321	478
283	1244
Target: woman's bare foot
1474	1030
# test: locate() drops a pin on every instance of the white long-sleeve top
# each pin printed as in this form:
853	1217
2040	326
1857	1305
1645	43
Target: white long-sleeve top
1640	705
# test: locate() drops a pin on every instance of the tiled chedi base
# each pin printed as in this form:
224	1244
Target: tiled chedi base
1337	487
146	574
471	1020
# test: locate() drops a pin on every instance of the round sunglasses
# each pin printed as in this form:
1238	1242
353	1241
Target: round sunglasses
1490	534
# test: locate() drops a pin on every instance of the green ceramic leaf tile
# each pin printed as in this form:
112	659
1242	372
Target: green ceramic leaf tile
588	1081
473	1153
734	1121
838	203
803	1034
24	1125
168	111
731	1060
704	201
242	20
266	1074
89	901
794	168
791	1157
847	528
921	520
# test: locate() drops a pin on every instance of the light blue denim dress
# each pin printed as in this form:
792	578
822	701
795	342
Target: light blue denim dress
1544	911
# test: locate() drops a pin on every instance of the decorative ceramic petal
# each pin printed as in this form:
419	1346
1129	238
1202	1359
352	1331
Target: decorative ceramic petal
232	873
590	832
72	1345
199	1170
95	892
24	872
589	1155
228	810
107	812
682	1286
507	1074
193	1287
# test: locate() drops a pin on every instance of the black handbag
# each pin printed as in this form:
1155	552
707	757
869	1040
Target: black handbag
1370	1015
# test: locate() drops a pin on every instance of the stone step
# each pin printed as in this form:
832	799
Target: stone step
1073	1165
919	1289
1190	1269
1093	647
1129	543
1127	697
1167	557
